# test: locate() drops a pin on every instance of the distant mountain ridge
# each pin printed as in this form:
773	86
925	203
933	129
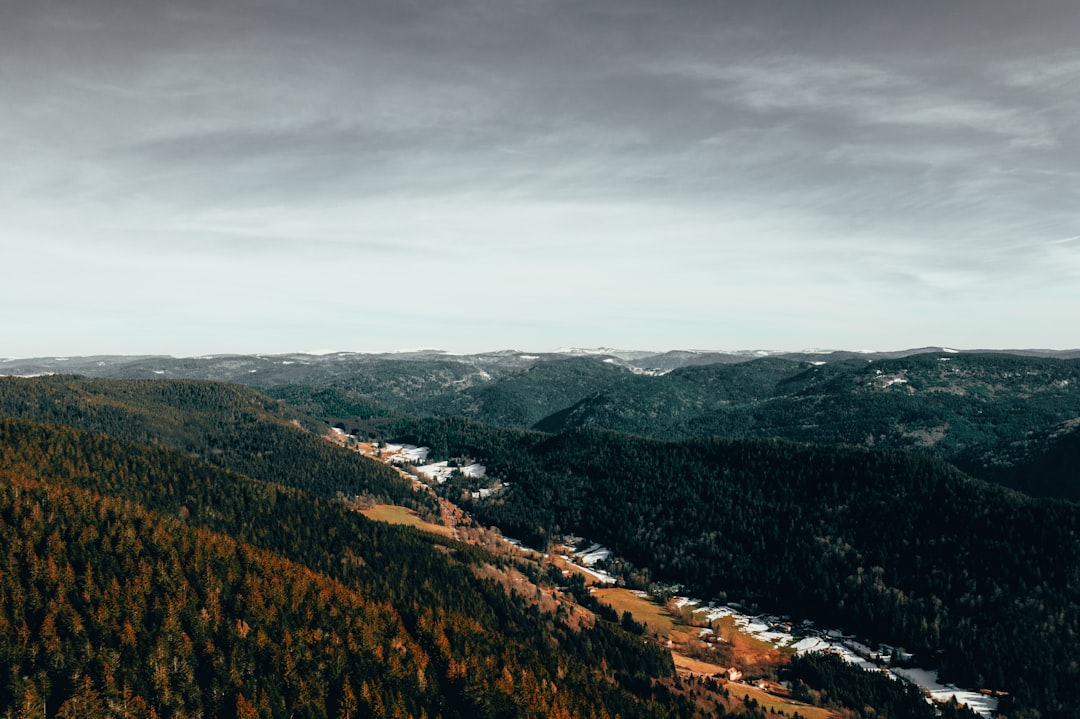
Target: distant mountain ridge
278	367
991	413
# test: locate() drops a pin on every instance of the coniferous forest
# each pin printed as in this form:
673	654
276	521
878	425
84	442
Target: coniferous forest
982	579
187	548
138	582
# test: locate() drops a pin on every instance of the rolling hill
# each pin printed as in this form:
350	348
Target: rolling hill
138	581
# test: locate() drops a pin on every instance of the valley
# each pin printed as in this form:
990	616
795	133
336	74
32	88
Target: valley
886	538
719	642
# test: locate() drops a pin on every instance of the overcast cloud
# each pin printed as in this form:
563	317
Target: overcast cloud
268	175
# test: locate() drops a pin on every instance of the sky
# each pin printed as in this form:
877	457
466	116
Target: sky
197	176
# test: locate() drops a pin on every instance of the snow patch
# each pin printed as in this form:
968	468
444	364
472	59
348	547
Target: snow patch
602	577
592	555
402	453
474	470
439	471
809	644
775	631
927	680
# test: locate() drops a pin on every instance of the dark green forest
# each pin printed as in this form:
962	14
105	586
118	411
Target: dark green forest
980	580
229	426
996	416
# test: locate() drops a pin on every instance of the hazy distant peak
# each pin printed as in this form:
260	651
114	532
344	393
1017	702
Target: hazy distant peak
606	351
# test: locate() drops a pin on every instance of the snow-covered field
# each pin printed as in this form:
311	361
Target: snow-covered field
586	560
441	471
773	630
474	470
404	453
602	577
928	680
809	644
592	555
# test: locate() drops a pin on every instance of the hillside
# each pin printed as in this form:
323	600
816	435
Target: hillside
137	580
522	399
967	409
1045	463
992	414
227	425
883	543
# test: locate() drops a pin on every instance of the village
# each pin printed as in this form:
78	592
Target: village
685	625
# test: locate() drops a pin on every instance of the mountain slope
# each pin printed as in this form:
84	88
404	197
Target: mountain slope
182	622
887	544
247	596
958	407
227	425
1045	463
521	399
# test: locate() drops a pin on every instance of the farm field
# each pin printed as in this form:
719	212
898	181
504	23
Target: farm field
697	666
645	610
394	514
746	652
771	703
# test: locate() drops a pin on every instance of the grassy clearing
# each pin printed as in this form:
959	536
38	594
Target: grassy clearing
768	702
394	514
644	609
697	666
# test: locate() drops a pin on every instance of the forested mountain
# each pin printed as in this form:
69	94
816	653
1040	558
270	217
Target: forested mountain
994	415
886	539
227	425
429	369
1045	463
948	402
524	398
883	543
139	582
986	412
